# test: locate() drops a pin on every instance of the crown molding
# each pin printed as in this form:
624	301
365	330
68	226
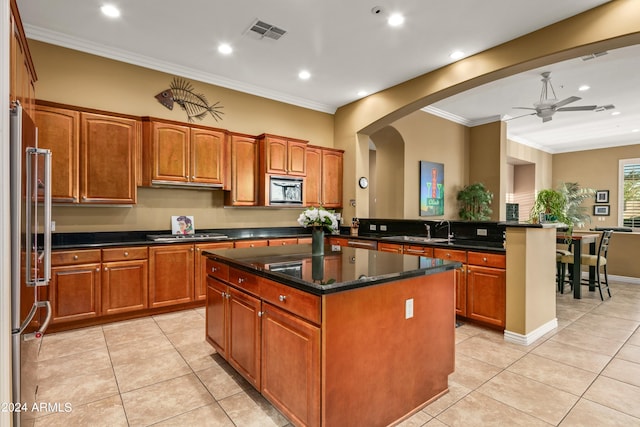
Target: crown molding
59	39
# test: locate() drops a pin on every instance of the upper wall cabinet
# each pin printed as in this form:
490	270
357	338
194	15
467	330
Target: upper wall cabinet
94	154
244	172
179	154
22	74
323	186
282	156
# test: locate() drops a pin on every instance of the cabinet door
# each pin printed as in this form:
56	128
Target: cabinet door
216	315
276	155
171	279
108	159
244	172
124	286
170	158
244	335
331	178
200	272
207	156
74	292
486	295
291	365
59	131
312	185
460	278
297	158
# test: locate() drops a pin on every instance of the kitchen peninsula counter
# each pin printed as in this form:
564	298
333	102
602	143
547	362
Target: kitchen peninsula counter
353	337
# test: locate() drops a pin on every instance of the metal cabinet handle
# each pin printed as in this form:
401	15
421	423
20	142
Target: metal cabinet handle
98	269
105	269
241	279
484	259
213	269
282	298
260	313
75	257
126	254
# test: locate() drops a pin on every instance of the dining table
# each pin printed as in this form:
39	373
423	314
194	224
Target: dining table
576	241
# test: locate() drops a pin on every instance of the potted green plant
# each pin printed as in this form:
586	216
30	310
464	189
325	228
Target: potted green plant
550	206
575	195
475	201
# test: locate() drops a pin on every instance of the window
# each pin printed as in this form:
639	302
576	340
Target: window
629	209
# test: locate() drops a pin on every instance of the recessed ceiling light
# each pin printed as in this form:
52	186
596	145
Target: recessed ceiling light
110	10
395	20
584	87
616	113
225	48
304	75
456	54
362	93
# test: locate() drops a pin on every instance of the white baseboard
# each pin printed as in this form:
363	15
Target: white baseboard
614	278
532	336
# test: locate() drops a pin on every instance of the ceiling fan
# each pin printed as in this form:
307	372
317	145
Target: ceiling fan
547	107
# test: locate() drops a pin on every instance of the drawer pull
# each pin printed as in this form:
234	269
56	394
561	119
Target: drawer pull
241	279
484	259
75	257
282	298
214	269
126	254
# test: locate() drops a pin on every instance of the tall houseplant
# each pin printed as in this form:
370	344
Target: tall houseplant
474	201
575	195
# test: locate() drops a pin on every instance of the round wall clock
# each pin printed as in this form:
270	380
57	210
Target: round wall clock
363	182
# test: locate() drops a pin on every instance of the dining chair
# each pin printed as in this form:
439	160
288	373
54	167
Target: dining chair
598	261
561	267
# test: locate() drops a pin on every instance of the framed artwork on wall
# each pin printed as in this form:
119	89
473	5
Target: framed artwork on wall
431	188
602	196
601	210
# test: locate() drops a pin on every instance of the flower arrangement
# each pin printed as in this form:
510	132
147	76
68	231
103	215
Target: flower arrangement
319	217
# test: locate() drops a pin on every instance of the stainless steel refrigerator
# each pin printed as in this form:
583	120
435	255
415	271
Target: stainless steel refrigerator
30	258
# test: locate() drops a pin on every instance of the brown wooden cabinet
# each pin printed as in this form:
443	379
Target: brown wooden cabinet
59	131
244	172
108	154
22	74
251	243
171	278
74	290
180	154
460	275
200	271
486	288
390	247
282	156
323	185
353	242
233	325
94	154
291	365
124	281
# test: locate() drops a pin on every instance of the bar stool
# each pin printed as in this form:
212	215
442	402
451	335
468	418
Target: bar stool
599	261
561	267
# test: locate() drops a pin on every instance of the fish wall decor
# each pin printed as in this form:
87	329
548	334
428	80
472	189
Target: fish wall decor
194	104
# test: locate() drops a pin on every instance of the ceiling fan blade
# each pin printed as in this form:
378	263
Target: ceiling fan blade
524	115
579	108
523	108
566	101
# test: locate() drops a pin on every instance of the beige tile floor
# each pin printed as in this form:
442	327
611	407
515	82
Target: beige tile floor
159	371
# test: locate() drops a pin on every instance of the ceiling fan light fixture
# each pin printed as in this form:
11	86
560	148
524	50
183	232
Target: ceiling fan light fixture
583	88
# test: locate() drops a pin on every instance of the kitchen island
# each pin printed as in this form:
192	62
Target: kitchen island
354	337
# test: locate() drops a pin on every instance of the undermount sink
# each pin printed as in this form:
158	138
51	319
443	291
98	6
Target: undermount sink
419	239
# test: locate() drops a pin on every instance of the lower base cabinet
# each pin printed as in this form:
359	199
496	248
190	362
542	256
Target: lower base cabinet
125	273
74	292
171	279
291	365
486	295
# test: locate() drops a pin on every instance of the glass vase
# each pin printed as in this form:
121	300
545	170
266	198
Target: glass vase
317	241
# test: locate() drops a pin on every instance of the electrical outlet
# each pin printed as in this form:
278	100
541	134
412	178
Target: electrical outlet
372	227
481	231
408	308
383	228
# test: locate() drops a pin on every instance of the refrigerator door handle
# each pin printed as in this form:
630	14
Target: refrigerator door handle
43	327
47	215
31	218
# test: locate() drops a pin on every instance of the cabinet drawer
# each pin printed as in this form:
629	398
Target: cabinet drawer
304	240
243	280
283	242
124	254
75	257
418	250
250	243
487	259
293	300
390	247
450	254
218	270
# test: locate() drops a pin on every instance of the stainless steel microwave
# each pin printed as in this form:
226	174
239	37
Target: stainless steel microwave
285	190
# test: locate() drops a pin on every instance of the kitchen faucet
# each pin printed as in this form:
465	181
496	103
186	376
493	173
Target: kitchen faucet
449	234
428	227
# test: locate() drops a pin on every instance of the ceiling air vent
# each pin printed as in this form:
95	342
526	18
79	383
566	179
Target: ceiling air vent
262	29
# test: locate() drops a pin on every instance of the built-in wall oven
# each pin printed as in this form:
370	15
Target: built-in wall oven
285	191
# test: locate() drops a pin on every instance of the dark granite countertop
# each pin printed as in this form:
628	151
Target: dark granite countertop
339	269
